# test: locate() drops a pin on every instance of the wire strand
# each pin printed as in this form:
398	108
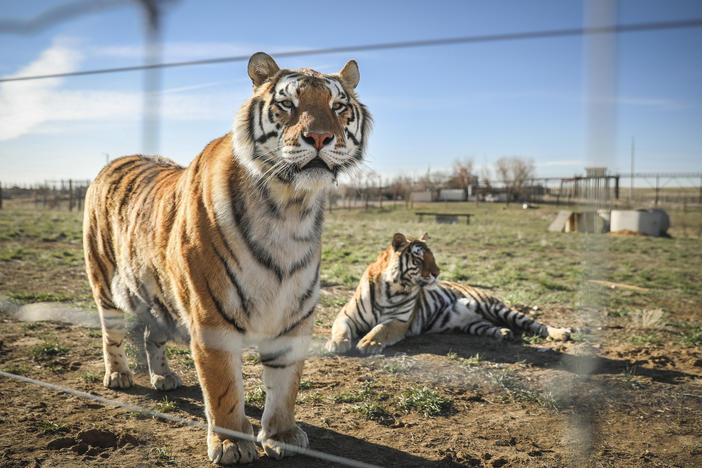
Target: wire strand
64	12
239	435
621	28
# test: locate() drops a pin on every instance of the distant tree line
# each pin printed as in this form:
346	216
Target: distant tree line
510	176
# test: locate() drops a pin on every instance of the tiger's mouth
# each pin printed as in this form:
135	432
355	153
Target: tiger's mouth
316	163
426	280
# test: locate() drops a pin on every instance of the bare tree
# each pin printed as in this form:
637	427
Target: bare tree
486	175
462	176
401	187
514	173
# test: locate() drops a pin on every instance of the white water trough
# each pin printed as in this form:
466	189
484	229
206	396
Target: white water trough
651	222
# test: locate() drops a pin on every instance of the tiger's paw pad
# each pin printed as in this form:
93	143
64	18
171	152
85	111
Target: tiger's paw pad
118	379
369	346
559	334
338	346
166	382
229	452
294	436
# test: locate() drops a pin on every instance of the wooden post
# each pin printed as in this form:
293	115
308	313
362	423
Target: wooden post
70	194
657	188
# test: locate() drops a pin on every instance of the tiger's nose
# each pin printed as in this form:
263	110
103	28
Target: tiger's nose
318	140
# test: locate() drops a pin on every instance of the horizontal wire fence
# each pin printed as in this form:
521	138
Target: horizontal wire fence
168	417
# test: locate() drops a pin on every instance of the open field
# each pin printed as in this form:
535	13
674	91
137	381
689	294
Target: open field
627	391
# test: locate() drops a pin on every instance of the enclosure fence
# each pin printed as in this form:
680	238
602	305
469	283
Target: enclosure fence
169	417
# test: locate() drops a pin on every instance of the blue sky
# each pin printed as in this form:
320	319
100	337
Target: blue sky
431	105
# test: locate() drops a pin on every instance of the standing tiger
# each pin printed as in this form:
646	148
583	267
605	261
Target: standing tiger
400	295
227	251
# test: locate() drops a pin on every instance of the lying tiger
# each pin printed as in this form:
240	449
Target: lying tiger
400	295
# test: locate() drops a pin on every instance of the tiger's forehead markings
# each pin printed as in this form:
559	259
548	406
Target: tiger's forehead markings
336	88
417	249
291	84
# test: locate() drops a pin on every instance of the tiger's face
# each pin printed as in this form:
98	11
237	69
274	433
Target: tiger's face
412	263
301	127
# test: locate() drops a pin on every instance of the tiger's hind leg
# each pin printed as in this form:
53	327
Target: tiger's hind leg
162	378
114	331
552	333
469	316
518	321
485	328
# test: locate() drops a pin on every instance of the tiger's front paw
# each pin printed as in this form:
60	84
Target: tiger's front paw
228	452
559	334
505	334
166	382
369	346
118	379
338	346
294	436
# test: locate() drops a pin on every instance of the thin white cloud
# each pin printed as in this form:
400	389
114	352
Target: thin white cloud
27	106
175	50
191	87
23	104
660	103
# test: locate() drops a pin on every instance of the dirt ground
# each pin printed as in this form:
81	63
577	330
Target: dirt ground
625	392
518	404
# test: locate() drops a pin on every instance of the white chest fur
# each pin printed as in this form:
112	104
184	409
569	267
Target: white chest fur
278	248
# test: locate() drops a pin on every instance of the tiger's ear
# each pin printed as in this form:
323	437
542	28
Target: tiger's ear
424	237
261	68
398	240
350	73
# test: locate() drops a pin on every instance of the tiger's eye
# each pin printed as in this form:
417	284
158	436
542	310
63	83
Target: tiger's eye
288	104
338	106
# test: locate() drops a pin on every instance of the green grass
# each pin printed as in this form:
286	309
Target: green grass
48	349
17	369
256	397
33	326
357	395
305	384
646	340
692	334
29	298
472	361
510	251
166	405
507	250
91	377
425	401
54	428
182	355
533	339
253	358
162	455
513	388
374	412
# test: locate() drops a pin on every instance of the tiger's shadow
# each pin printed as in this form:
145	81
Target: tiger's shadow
546	357
188	399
